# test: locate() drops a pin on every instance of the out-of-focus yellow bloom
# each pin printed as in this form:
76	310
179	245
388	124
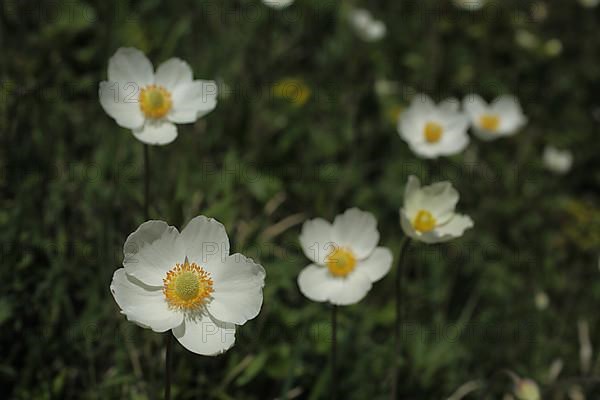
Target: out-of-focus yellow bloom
293	90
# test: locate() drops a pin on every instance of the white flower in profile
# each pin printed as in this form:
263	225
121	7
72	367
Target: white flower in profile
151	103
346	259
503	117
470	5
429	213
589	3
188	283
558	161
432	131
278	4
367	28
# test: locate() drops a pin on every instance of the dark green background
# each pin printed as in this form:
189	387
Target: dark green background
71	191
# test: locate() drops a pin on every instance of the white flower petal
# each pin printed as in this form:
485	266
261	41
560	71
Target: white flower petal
156	132
316	240
238	284
412	196
129	65
475	106
455	227
511	114
121	103
142	304
356	230
206	242
378	264
353	289
151	251
193	100
439	199
317	284
205	335
407	226
172	73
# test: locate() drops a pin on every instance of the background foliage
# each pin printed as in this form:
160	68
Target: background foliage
268	158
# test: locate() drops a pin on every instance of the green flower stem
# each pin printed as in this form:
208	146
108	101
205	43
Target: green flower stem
333	352
397	327
146	182
168	365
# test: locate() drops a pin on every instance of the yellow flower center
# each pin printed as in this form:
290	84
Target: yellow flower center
155	101
187	286
490	122
341	262
424	221
433	132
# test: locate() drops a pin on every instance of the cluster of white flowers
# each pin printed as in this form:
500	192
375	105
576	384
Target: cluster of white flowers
441	130
366	26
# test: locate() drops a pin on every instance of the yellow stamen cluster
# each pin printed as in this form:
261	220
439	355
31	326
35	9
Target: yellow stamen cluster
424	221
187	286
341	262
490	122
155	101
433	132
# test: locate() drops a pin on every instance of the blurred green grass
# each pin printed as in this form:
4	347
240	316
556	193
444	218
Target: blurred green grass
72	190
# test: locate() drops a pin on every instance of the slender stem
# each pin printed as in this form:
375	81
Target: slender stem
333	352
168	365
398	325
146	182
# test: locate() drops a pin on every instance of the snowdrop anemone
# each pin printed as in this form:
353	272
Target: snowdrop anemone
503	117
434	130
346	258
189	283
429	213
278	4
151	103
367	28
557	161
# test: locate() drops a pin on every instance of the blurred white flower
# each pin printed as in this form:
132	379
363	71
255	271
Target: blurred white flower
367	28
346	259
188	283
589	3
558	161
526	389
471	5
541	301
553	47
526	39
429	213
278	4
432	131
503	117
151	103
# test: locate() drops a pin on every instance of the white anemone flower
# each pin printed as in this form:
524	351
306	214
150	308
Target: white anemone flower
503	117
189	283
151	103
429	213
558	161
366	26
278	4
432	131
346	259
